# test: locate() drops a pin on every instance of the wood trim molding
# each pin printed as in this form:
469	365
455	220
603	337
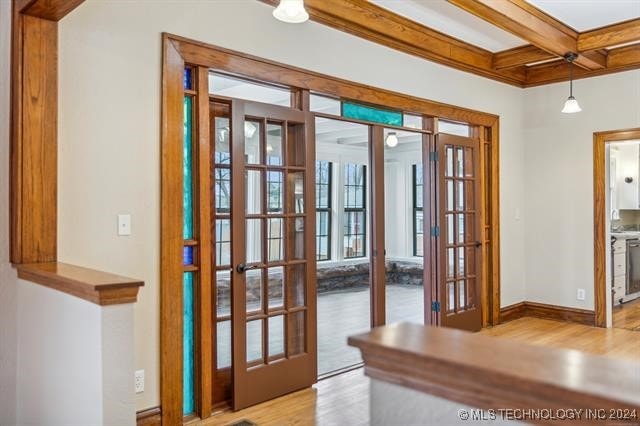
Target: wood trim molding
485	372
545	311
612	35
600	139
149	417
97	287
520	56
52	10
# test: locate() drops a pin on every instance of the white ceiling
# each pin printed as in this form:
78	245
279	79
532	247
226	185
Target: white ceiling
453	21
583	15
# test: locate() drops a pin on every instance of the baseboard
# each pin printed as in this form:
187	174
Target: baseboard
149	417
544	311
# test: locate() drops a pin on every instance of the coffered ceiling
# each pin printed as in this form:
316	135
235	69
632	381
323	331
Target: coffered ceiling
514	41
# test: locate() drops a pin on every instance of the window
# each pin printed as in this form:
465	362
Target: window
418	211
355	229
323	210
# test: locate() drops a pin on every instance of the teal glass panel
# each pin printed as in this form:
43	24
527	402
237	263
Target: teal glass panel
188	399
368	113
187	190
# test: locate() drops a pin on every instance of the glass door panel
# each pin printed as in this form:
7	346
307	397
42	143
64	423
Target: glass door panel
404	226
460	235
343	269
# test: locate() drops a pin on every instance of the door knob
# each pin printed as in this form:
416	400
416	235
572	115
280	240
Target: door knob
242	267
478	244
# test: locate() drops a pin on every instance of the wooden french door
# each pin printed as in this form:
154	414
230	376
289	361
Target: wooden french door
458	189
273	315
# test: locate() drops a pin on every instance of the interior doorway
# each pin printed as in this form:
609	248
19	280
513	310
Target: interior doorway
617	229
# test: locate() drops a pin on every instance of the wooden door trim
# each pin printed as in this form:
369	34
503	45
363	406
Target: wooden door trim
376	214
600	139
178	51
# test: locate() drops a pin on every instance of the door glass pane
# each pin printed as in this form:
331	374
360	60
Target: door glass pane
468	162
461	262
461	295
254	240
296	238
222	178
451	297
449	168
223	344
296	193
254	290
275	277
254	340
274	144
404	287
460	194
296	332
275	192
275	239
253	191
450	200
459	162
223	242
222	134
252	149
296	285
450	229
461	228
450	263
223	293
276	335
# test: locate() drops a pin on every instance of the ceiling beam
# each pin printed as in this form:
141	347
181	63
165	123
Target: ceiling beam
525	21
519	56
372	22
619	59
611	35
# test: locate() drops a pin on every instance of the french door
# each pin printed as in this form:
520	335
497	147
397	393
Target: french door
460	249
273	306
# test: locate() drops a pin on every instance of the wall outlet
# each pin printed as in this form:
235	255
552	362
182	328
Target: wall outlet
139	380
581	294
124	224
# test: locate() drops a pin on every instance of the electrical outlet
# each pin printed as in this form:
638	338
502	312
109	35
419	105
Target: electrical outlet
581	294
139	380
124	225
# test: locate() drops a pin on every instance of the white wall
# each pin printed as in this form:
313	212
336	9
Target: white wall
559	181
75	360
7	274
109	128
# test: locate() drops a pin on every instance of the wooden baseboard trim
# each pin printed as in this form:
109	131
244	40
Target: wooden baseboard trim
149	417
544	311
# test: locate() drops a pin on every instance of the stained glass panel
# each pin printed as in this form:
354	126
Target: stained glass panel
373	114
187	195
187	347
187	255
188	78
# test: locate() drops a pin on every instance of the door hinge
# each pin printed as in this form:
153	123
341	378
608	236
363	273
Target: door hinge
433	156
435	306
435	231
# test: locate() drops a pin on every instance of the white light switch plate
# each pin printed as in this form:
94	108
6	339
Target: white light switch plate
581	294
124	224
139	380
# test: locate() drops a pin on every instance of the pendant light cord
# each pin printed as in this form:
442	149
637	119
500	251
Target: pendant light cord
571	79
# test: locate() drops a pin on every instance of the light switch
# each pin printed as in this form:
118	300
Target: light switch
124	224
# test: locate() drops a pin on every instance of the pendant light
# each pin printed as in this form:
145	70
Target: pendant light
571	105
291	11
392	139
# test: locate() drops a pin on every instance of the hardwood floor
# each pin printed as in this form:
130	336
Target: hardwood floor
627	316
344	399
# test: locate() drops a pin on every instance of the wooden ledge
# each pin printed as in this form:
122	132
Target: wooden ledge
98	287
493	373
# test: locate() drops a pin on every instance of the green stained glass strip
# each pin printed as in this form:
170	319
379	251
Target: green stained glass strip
369	113
187	164
188	399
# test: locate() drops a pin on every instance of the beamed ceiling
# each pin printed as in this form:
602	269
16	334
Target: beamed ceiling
512	41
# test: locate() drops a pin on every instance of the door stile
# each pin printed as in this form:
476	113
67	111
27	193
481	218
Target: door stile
238	247
310	243
377	244
429	248
203	299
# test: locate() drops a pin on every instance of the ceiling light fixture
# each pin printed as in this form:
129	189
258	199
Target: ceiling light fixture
391	139
291	11
571	105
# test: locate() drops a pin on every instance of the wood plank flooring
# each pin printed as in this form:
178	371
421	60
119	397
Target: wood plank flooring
344	399
627	316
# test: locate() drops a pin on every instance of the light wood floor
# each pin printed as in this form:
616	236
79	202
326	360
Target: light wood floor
627	316
344	399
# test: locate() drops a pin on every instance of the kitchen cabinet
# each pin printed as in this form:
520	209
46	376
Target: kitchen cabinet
627	182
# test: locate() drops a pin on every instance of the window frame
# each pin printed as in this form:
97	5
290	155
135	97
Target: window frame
415	209
346	210
326	210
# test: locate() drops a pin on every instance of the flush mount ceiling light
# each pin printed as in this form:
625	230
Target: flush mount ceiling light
571	105
391	139
291	11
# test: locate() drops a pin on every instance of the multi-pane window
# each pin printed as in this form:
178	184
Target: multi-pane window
223	190
355	229
418	210
323	210
275	181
